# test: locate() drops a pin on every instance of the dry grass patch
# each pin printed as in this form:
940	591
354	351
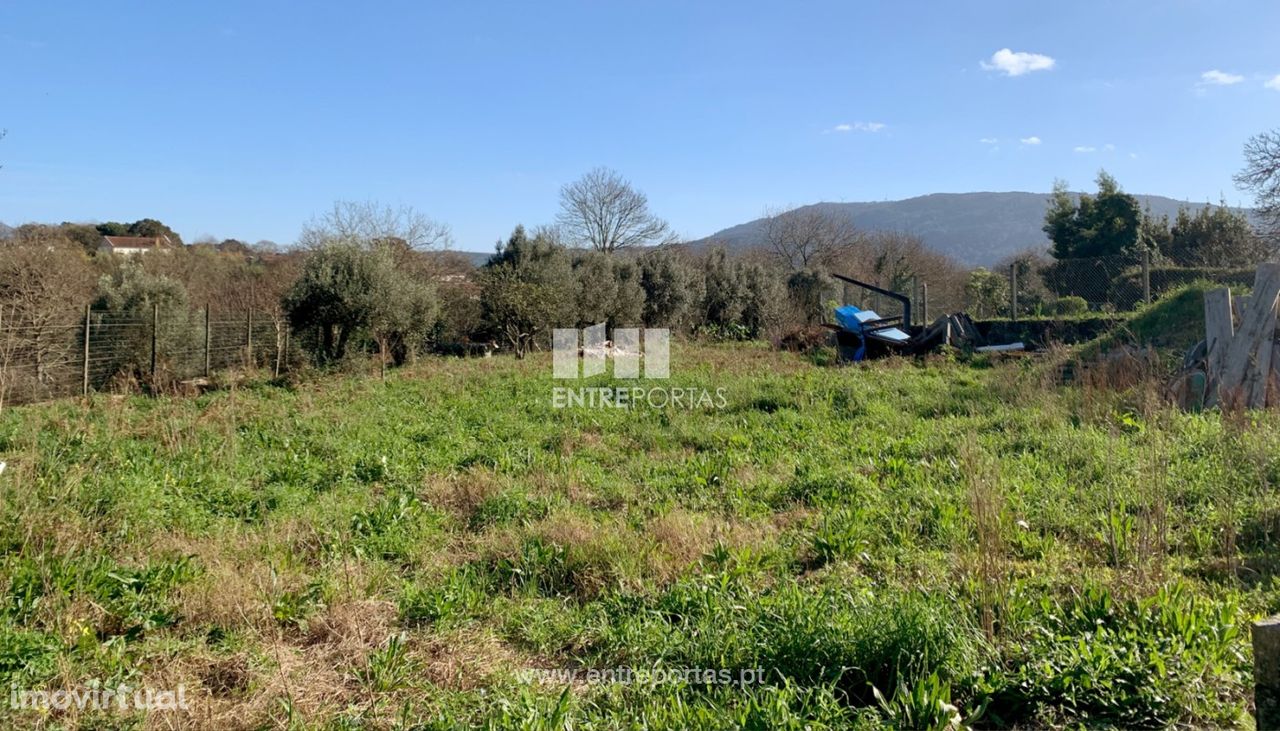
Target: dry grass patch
468	658
461	494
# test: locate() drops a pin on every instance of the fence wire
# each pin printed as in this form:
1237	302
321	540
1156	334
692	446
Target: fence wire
1075	287
58	357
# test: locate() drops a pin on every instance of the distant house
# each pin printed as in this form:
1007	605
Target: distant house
130	245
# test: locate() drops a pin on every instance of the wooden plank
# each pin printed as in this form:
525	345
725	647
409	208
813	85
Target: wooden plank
1238	306
1218	330
1259	377
1245	375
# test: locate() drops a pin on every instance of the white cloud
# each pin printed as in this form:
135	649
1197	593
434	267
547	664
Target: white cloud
1274	83
1109	147
1032	140
1219	78
988	140
859	127
1012	63
1085	148
1133	156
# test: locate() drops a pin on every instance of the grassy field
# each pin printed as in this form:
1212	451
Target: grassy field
897	545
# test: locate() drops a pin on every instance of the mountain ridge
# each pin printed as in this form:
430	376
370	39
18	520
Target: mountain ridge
975	229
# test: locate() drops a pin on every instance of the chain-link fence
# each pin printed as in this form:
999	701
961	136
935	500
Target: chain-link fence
1040	288
59	356
1066	287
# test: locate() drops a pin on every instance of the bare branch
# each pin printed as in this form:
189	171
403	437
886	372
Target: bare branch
368	223
803	237
601	210
1261	175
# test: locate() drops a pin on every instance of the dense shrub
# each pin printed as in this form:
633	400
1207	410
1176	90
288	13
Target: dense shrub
1070	305
808	290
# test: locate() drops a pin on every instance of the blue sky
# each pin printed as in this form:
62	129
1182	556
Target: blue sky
244	119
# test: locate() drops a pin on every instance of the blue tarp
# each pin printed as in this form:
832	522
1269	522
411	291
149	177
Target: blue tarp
851	318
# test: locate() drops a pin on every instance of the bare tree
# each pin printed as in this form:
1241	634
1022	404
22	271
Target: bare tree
803	237
1261	175
368	223
44	281
601	210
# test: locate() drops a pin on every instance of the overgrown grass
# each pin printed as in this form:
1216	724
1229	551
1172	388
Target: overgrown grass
901	544
1173	323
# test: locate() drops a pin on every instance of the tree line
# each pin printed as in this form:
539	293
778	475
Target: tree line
366	278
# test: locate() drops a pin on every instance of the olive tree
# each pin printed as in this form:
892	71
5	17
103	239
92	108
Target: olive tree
673	288
347	292
366	280
526	289
132	294
608	290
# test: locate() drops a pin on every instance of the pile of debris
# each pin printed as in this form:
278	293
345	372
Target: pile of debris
864	334
1237	365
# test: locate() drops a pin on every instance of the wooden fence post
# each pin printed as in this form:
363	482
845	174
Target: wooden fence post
279	348
84	374
1266	673
924	302
248	339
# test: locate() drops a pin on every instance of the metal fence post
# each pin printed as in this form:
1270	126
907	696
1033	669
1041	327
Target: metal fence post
1146	276
84	374
207	339
915	297
155	339
1013	291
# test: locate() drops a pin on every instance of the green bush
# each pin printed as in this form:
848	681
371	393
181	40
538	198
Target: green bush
1070	305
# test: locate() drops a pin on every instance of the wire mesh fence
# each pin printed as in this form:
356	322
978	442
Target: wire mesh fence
48	357
1039	288
1103	284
